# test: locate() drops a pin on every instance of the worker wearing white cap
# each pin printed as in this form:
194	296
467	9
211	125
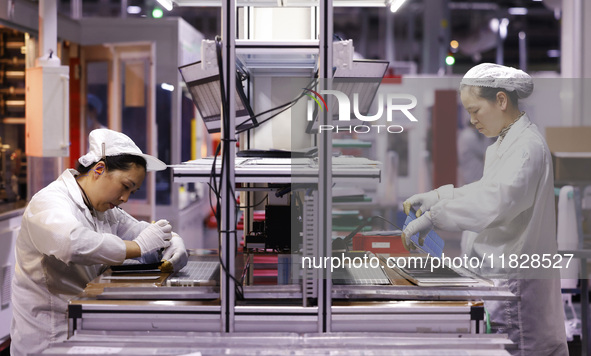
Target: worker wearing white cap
73	229
508	213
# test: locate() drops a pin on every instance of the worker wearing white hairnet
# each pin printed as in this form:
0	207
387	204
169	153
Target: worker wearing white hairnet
73	229
508	212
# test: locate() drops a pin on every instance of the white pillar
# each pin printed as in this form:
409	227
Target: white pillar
436	36
47	27
571	39
576	61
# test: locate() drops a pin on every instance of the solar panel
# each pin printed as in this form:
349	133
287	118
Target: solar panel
204	86
359	274
195	273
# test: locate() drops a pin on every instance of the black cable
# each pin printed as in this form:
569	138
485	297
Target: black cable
309	86
214	187
286	106
255	205
224	157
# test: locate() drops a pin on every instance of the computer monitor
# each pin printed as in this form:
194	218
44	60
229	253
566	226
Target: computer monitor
204	86
364	78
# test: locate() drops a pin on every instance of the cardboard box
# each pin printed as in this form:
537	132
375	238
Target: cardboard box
571	153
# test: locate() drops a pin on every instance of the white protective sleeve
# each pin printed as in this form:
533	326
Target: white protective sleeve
56	231
497	198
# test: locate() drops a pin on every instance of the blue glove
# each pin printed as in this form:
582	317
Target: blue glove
422	225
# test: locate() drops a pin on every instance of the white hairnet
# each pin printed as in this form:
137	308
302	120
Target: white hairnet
497	76
105	142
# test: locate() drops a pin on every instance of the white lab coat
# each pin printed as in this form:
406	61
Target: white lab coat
510	211
471	150
60	248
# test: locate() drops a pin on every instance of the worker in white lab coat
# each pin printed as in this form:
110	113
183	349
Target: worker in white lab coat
73	229
471	150
509	212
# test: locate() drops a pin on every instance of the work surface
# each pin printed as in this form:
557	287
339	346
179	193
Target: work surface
137	287
246	344
128	317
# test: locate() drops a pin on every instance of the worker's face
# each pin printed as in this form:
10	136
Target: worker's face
114	187
485	115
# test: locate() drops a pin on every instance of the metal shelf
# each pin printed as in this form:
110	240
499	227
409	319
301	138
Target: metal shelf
282	3
278	57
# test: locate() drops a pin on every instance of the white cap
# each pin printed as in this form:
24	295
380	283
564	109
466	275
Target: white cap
105	142
497	76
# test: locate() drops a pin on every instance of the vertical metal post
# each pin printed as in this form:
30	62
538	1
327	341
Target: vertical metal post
410	35
433	37
523	51
123	9
228	215
364	34
585	344
325	170
76	9
47	27
500	55
390	44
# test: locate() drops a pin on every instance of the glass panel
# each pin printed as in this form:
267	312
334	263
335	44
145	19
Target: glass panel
134	107
96	97
189	146
187	128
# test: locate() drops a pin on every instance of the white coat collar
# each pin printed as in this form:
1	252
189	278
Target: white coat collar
69	179
513	135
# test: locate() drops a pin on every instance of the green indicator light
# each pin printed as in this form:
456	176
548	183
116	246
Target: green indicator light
157	13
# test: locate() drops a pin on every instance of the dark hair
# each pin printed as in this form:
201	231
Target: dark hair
122	162
490	94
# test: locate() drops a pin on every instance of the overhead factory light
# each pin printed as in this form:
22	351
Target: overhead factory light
517	11
134	10
167	4
499	26
503	28
166	86
396	4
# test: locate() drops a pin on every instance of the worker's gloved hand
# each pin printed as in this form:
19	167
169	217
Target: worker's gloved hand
427	200
175	255
422	225
154	237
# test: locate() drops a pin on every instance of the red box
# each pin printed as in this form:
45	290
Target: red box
379	244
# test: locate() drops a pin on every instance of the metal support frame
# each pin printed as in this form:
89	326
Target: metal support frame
310	248
585	344
325	171
228	215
